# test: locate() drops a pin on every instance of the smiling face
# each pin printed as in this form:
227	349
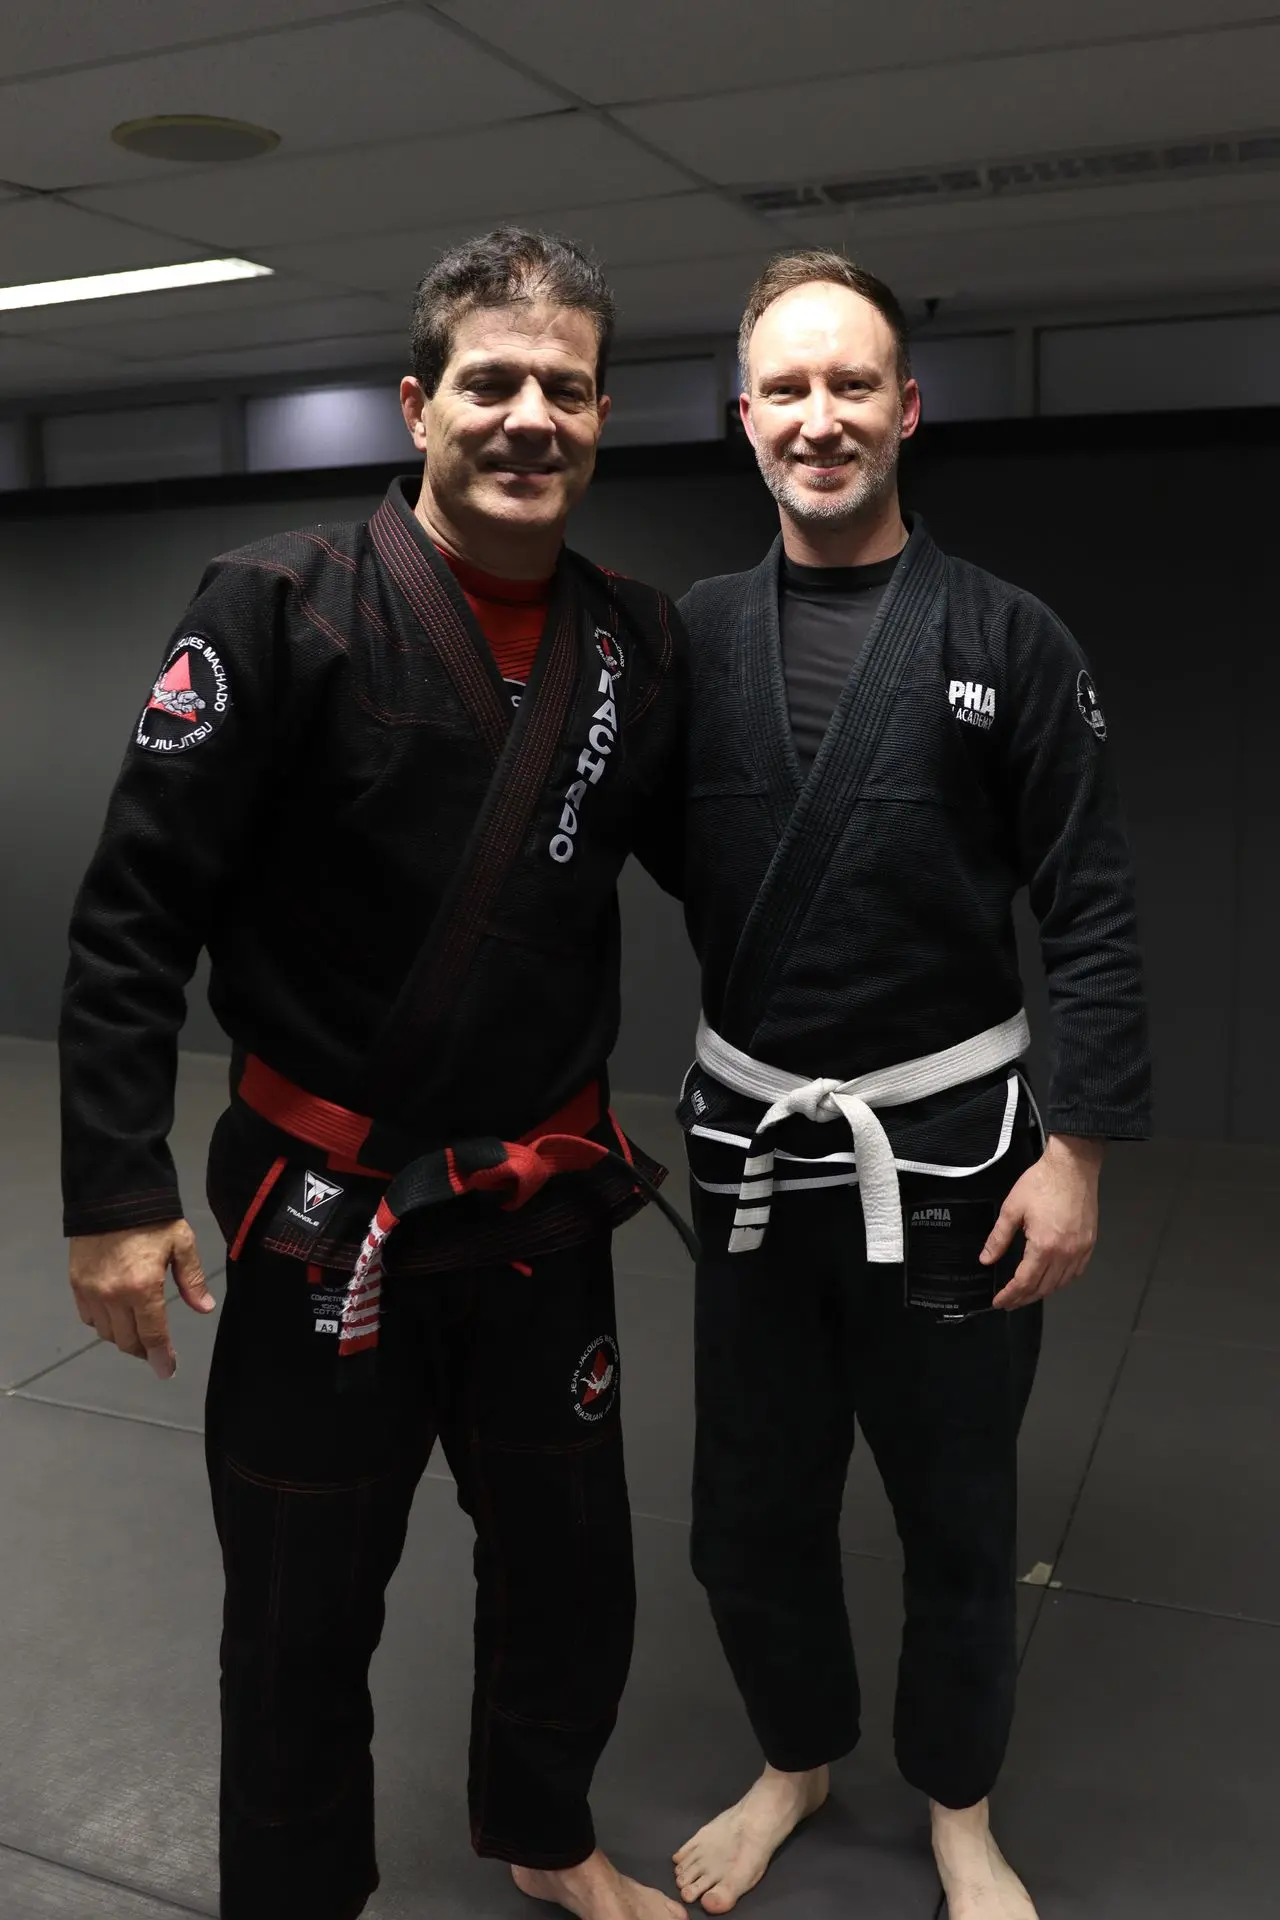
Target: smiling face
510	432
825	408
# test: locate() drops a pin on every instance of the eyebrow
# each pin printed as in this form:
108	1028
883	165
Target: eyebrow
469	370
833	373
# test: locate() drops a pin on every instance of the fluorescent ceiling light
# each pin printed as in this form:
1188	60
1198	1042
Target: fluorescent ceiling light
105	286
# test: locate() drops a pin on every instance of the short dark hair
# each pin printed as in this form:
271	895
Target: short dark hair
494	270
799	267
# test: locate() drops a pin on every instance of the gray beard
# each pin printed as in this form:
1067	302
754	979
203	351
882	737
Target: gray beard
875	483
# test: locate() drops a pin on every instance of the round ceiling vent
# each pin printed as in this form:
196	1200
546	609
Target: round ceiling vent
199	137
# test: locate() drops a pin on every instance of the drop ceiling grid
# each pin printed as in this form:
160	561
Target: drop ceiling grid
370	79
384	161
664	48
37	39
1019	104
496	173
670	228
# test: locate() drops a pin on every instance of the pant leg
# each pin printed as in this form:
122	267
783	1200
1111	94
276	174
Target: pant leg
941	1406
311	1493
533	1433
774	1436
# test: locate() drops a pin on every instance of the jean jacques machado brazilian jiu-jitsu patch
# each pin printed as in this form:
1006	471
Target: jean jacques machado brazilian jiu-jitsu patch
594	1386
190	699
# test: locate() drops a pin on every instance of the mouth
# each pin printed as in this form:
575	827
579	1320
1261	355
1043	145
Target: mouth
524	469
830	463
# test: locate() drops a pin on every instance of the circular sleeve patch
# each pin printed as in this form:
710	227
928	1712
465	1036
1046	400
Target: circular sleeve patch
1087	701
190	699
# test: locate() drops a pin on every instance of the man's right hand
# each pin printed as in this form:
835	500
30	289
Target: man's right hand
118	1280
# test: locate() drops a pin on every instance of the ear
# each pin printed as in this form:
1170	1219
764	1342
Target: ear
910	409
604	407
413	405
744	414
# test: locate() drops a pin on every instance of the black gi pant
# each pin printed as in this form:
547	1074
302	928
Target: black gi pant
794	1341
312	1488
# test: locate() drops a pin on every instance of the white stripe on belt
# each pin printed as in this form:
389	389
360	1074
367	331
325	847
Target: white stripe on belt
853	1101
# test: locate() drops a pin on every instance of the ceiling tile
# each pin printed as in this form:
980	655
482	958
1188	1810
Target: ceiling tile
188	334
77	32
378	78
1037	103
673	227
29	365
501	173
47	240
856	230
1183	252
666	48
361	352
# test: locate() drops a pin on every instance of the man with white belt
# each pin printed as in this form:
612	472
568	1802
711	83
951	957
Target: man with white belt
887	744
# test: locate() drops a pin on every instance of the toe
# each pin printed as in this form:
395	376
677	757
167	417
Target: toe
721	1899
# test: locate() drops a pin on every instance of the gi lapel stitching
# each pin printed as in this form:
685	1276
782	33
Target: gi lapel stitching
821	815
444	625
763	689
428	995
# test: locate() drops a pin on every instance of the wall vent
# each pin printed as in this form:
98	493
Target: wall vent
1041	173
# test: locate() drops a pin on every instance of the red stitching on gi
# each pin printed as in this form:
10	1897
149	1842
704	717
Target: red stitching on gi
273	1173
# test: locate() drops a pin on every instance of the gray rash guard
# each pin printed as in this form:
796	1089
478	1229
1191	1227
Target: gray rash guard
826	615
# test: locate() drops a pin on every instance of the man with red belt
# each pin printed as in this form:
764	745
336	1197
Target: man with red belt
387	775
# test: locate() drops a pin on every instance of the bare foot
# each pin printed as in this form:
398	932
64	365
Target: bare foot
596	1891
730	1856
977	1879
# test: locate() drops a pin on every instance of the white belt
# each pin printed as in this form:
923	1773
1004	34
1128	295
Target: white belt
853	1101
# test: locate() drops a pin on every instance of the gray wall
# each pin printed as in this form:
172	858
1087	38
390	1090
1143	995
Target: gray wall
1154	558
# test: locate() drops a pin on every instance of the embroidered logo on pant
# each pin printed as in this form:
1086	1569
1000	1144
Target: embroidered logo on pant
595	1380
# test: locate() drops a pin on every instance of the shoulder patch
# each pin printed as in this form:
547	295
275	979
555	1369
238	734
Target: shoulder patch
1087	701
190	699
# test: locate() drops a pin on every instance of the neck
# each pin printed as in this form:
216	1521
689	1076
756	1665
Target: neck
493	546
878	533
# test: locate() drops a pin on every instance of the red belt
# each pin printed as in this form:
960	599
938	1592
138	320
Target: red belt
342	1133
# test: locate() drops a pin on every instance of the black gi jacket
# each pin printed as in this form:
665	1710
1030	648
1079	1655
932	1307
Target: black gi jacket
863	917
306	797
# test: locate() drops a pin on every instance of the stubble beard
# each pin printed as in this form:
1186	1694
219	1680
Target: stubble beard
877	475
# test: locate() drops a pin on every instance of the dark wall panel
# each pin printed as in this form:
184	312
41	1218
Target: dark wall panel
1156	556
1130	547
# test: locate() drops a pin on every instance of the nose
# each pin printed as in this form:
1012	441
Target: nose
820	420
528	412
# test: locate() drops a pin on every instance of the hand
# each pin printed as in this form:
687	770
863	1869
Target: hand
118	1280
1056	1206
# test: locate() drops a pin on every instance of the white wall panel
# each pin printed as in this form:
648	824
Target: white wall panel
966	378
327	427
137	443
1162	366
